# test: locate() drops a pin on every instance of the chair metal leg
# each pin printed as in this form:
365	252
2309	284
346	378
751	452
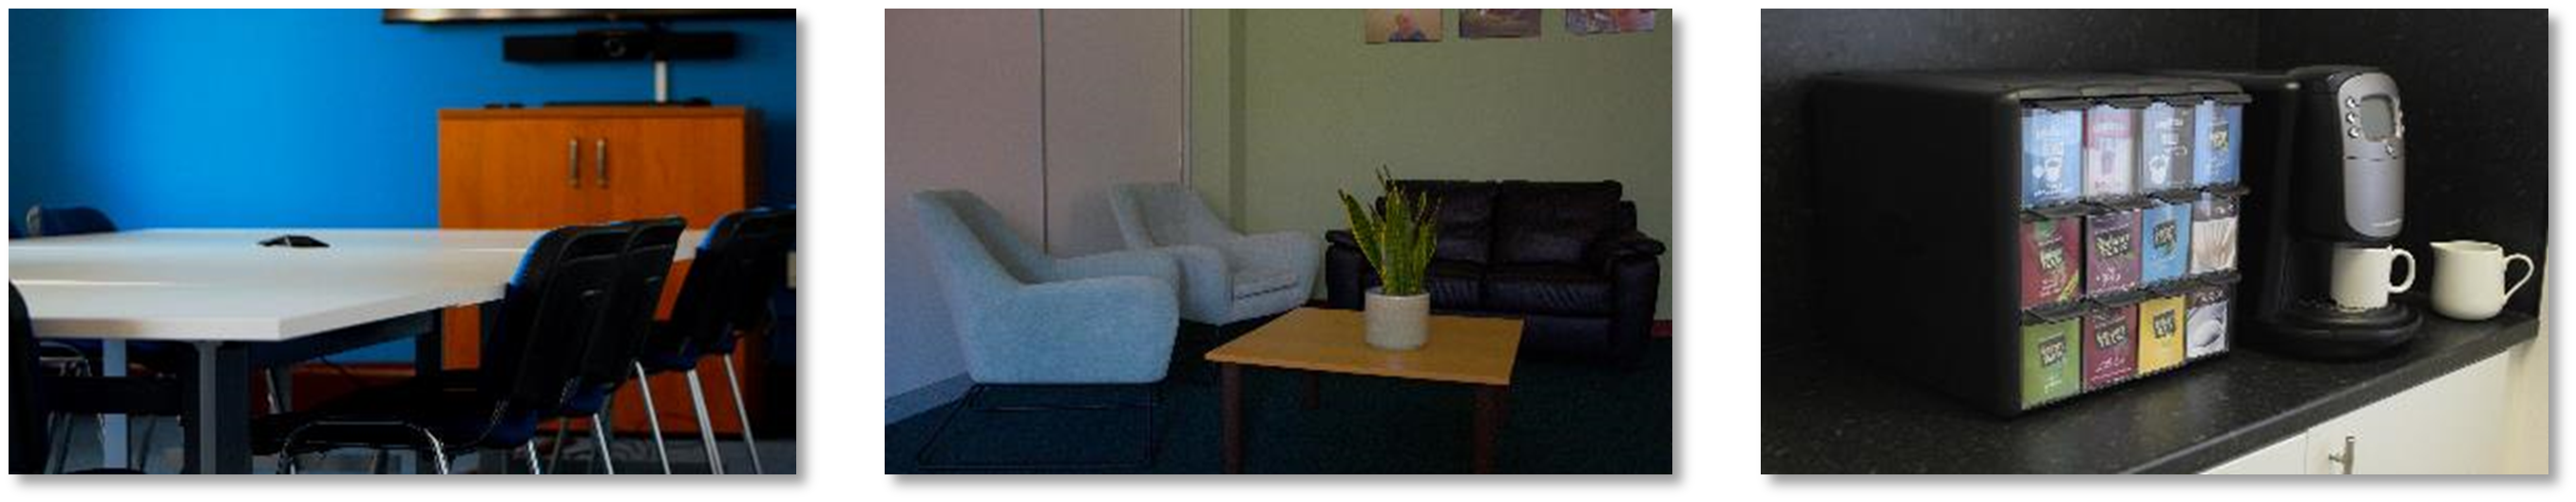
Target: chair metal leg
143	449
276	394
531	448
61	424
652	416
438	450
744	414
599	432
706	428
562	426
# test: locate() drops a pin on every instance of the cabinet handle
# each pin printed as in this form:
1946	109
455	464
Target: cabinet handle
572	162
602	158
2346	458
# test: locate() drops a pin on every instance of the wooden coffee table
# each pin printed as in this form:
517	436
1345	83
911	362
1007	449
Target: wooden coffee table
1477	352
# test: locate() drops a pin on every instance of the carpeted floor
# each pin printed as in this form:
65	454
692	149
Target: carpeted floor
161	453
1565	418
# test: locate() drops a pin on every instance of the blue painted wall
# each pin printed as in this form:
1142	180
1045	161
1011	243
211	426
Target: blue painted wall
309	118
198	118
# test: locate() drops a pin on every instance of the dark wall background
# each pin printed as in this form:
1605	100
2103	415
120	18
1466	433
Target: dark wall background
2475	84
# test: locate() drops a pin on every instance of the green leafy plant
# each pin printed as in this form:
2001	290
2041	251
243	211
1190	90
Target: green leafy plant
1396	236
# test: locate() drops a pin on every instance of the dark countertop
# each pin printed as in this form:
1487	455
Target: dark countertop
1824	412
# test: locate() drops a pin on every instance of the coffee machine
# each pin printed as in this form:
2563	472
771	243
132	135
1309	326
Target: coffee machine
2326	167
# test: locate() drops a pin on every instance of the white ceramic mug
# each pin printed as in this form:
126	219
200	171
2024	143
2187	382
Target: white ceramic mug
2468	279
2361	276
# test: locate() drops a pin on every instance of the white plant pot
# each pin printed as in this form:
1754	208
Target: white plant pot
1398	322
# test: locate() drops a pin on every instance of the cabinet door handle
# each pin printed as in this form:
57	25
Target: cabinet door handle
602	159
2346	458
572	162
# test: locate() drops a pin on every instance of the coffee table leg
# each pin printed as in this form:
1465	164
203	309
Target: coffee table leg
1233	376
1314	396
1490	406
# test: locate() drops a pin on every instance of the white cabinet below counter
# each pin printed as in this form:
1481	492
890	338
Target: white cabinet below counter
2454	424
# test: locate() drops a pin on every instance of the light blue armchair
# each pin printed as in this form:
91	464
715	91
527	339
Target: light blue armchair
1225	276
1028	318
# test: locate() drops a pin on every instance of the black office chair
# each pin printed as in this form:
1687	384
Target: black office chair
67	220
726	294
30	441
84	357
642	274
531	363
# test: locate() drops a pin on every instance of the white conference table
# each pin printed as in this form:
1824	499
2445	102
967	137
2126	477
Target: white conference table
242	307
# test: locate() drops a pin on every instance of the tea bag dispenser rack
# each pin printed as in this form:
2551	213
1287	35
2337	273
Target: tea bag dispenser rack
2025	238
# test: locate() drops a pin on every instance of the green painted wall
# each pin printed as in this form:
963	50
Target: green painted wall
1288	106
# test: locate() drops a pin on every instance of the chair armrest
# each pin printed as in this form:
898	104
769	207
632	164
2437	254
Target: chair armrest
1120	263
1206	284
1106	330
1288	250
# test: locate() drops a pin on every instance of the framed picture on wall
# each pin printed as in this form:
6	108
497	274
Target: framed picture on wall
1498	23
1606	21
1400	25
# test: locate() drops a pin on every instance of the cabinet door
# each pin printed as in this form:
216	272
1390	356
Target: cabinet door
518	173
2451	425
694	167
2290	456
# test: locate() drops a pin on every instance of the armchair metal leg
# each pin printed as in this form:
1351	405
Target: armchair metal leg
1153	433
652	416
706	428
743	413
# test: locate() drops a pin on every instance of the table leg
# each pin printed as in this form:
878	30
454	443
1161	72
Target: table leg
1314	396
217	413
113	427
1491	403
1232	374
428	357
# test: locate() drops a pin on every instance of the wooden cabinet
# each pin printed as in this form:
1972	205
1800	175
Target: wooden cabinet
550	167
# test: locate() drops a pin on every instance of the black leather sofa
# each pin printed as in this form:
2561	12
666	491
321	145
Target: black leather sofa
1565	257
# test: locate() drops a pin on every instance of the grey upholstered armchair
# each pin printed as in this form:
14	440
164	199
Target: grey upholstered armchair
1225	276
1027	318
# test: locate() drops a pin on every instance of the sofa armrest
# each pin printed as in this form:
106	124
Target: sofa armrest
1341	239
1606	252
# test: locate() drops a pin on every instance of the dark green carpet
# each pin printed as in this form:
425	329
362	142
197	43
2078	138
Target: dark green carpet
1566	418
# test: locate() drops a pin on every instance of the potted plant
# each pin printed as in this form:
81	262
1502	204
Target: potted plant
1397	237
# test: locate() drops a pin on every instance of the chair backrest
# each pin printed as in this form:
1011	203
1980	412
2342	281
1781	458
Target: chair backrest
28	441
770	235
644	267
554	307
1153	215
68	220
976	254
727	280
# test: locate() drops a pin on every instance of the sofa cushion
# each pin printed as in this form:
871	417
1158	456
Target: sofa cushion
1466	218
1547	289
1551	223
